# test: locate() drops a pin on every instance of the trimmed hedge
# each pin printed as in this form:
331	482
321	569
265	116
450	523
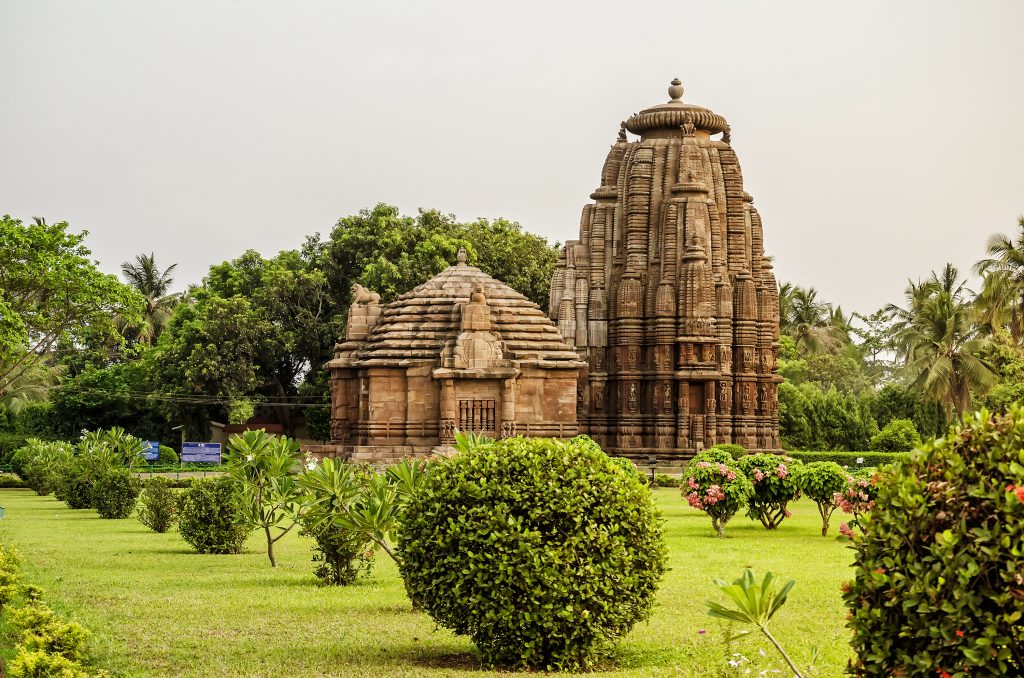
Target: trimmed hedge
543	551
850	458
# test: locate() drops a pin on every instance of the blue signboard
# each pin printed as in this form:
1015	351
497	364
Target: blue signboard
152	450
200	453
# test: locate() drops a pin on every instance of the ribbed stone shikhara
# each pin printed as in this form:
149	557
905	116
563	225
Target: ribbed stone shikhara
668	294
462	351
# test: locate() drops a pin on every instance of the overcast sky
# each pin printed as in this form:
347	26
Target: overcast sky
879	139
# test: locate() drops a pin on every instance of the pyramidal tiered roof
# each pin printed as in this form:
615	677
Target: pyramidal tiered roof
420	324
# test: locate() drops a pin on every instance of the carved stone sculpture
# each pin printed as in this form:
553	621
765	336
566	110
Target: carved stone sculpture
670	278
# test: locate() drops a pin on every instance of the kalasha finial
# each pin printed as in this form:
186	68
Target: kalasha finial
676	90
461	258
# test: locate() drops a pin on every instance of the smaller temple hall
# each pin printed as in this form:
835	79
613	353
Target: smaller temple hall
462	351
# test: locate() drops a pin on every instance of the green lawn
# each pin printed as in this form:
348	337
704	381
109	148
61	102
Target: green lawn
156	608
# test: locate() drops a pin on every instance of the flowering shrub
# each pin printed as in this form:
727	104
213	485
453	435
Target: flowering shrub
856	498
938	584
820	481
715	455
775	484
718	488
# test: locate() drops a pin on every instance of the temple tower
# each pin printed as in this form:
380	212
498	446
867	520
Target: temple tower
668	296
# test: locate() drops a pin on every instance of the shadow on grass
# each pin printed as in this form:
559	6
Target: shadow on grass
413	653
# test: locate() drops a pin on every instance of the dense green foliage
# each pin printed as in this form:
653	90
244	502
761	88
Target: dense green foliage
775	485
735	451
849	459
899	435
158	505
937	572
543	552
820	481
208	517
115	492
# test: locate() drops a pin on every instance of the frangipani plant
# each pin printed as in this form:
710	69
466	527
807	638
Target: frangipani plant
261	469
755	604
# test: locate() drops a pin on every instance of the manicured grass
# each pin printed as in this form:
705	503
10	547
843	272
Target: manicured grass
156	608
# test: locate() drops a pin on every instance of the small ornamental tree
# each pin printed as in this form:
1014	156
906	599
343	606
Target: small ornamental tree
261	468
899	435
820	481
775	485
857	498
937	587
718	488
543	551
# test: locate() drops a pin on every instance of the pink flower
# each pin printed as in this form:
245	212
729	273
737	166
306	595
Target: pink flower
693	500
845	530
781	471
692	484
726	472
713	495
789	514
703	464
758	475
701	631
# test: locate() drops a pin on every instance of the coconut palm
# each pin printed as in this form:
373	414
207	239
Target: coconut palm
809	322
153	284
940	342
1001	302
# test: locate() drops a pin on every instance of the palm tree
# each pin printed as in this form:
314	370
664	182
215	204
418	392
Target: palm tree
811	323
1001	302
153	284
940	342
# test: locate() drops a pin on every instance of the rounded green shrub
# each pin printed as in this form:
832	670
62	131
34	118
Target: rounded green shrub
665	480
208	517
719	488
899	435
76	489
167	456
158	505
937	585
542	551
115	492
712	455
735	451
775	485
821	481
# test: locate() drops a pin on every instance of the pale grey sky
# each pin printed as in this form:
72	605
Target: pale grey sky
879	139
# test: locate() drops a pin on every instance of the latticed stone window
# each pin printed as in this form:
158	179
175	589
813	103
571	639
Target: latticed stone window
476	415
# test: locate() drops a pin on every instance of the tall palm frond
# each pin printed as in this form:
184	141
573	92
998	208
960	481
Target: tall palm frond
154	285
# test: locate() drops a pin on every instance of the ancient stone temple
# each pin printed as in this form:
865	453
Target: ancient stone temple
462	351
668	294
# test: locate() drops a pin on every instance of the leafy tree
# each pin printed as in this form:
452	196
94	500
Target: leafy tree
154	285
209	355
50	290
391	253
895	401
820	481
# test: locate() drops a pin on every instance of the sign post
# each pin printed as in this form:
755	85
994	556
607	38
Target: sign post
200	453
